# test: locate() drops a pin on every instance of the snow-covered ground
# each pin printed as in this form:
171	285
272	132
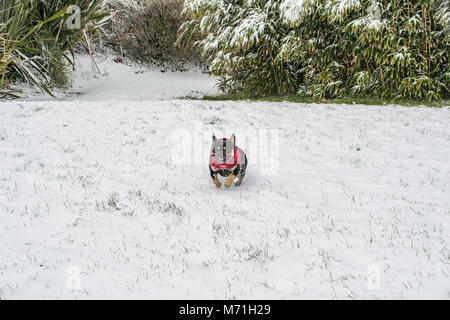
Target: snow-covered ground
103	195
117	81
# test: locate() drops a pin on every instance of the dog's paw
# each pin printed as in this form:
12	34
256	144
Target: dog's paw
238	183
218	184
229	181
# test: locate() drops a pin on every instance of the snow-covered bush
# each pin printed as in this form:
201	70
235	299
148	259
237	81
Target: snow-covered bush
326	48
148	33
371	48
242	40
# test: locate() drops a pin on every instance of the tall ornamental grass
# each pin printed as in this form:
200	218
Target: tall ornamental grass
36	41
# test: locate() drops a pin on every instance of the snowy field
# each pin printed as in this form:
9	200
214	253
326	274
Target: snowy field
96	203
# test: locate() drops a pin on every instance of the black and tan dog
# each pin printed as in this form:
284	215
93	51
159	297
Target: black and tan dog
227	160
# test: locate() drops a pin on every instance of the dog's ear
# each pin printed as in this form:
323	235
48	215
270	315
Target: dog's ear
233	139
213	138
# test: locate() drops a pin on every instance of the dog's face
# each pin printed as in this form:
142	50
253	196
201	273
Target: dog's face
222	150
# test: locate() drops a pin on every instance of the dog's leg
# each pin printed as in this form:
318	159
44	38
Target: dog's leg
238	183
229	180
214	177
216	181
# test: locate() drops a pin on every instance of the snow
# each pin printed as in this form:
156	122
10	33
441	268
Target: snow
293	10
119	81
357	204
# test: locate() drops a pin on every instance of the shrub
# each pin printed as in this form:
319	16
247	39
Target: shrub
393	50
242	40
323	48
35	42
148	34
